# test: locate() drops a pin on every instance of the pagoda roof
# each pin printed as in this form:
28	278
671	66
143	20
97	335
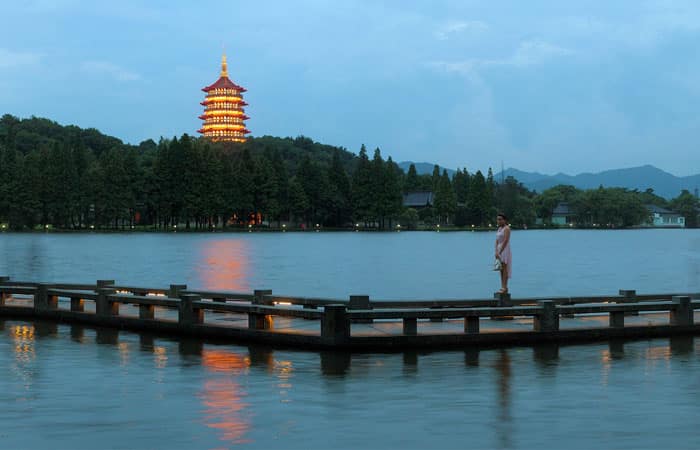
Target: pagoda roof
223	83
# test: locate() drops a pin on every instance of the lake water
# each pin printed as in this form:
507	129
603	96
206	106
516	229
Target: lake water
383	265
72	387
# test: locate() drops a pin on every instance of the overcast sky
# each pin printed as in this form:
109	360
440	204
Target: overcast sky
544	86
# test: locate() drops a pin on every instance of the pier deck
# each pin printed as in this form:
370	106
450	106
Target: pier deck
358	323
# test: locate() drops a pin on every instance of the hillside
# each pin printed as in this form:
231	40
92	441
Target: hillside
641	178
32	133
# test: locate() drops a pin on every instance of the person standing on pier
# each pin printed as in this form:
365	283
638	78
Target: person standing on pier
503	250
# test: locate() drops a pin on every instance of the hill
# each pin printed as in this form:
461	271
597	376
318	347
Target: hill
641	178
424	168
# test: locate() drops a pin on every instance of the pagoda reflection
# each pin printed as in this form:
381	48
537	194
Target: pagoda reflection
224	265
223	398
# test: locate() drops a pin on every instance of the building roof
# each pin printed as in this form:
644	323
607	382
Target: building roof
658	210
418	199
223	83
562	209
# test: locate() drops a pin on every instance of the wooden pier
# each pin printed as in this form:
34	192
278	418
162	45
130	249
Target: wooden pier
357	323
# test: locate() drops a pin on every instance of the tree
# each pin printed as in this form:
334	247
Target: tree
362	187
412	182
687	206
478	202
339	194
445	200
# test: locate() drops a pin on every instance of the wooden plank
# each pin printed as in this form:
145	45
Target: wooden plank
259	309
446	313
145	300
65	293
20	290
614	307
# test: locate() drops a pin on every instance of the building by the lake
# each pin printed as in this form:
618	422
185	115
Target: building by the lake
224	117
664	218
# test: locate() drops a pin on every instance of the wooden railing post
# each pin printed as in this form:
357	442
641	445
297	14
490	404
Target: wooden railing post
682	313
104	284
41	297
410	326
471	324
548	319
258	321
103	306
360	302
617	319
188	314
77	304
175	290
3	295
147	311
335	325
629	296
503	298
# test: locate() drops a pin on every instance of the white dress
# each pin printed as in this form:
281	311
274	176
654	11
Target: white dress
504	253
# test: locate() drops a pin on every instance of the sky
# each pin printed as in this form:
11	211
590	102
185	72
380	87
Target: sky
546	86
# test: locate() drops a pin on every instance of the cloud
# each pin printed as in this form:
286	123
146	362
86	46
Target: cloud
109	69
452	28
10	59
528	53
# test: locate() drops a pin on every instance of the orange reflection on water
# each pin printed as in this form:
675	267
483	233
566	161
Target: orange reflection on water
225	262
23	338
223	397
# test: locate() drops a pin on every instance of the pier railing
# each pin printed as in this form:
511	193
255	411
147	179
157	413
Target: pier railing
180	310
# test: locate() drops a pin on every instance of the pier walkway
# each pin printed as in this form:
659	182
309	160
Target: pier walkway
357	323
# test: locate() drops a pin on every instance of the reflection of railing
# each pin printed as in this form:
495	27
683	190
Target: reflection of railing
179	310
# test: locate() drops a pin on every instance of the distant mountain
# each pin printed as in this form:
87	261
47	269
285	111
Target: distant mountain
664	184
424	168
641	178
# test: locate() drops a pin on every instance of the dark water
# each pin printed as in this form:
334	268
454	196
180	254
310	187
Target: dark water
69	387
81	388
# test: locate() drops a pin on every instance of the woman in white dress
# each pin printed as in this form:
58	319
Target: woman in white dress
503	250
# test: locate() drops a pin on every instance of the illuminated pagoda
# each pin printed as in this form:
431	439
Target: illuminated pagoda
224	118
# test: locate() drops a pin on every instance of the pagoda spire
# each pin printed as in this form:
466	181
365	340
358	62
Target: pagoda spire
224	65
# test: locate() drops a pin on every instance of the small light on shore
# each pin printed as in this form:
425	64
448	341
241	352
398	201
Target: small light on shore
46	226
92	227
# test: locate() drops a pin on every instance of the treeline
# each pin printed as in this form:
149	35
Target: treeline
71	178
613	207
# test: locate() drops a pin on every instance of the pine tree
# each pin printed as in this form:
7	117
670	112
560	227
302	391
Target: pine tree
412	181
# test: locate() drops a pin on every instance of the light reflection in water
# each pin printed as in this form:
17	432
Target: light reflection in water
225	265
23	338
223	397
284	371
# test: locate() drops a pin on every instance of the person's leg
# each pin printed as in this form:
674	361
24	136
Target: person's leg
504	277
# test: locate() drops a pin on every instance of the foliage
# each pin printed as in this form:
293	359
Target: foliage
67	177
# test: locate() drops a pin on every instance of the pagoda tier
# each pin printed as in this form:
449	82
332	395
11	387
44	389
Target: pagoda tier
224	117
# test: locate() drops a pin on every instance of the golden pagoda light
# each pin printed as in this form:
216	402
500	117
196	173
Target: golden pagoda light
224	117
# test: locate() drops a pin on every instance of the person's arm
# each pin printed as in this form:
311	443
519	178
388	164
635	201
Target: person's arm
506	238
497	253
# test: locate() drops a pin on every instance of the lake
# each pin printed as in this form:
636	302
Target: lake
407	265
74	387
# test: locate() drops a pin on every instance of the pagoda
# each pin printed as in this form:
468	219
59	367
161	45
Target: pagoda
224	118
